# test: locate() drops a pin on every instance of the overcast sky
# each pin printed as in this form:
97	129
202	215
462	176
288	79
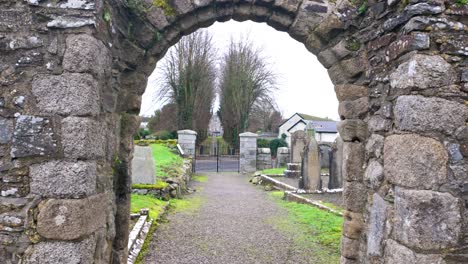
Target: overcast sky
304	85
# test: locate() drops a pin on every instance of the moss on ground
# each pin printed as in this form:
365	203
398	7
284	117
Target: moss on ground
154	205
159	185
312	228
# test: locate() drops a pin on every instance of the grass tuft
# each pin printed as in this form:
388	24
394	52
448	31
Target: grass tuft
200	178
274	171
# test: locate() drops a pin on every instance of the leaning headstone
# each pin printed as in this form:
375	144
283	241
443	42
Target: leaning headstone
282	156
336	160
143	166
310	170
298	142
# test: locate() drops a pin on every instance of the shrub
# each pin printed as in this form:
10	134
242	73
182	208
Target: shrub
275	144
263	143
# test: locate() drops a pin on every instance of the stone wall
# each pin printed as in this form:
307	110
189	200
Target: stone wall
72	74
263	158
282	157
187	139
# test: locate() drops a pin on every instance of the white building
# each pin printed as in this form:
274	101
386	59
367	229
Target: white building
325	129
215	127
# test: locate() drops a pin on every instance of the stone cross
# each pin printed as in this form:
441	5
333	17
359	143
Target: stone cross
310	170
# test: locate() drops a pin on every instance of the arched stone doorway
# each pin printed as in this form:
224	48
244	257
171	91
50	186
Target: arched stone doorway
72	76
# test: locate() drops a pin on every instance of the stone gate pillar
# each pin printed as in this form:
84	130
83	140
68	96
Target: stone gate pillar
248	152
187	139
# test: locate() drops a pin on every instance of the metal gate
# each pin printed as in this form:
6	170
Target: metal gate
215	156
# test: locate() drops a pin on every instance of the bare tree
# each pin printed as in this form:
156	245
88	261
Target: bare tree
245	80
188	81
265	116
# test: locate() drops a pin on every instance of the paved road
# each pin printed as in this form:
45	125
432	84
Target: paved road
143	166
233	225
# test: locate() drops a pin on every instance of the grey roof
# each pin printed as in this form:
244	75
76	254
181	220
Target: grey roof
323	126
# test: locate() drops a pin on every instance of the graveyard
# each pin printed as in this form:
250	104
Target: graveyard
72	78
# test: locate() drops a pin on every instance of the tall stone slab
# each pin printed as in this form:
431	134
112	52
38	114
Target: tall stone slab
310	179
143	166
186	140
298	142
336	160
248	152
282	157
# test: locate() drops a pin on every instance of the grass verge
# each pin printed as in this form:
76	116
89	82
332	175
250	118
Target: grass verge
200	178
312	228
188	205
159	185
154	205
167	161
274	171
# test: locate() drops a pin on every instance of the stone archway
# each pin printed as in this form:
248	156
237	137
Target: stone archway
73	72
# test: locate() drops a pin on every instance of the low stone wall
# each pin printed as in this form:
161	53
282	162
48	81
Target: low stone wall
263	158
177	185
282	157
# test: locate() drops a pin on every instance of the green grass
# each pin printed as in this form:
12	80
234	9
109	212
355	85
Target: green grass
332	206
200	178
188	205
167	162
274	171
159	185
154	205
311	228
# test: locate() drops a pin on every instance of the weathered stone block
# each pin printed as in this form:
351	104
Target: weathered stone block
6	130
63	179
354	196
398	254
374	174
378	123
352	130
72	219
84	54
67	94
309	16
417	41
32	137
415	161
353	109
374	145
378	216
349	247
353	160
421	114
81	252
350	92
427	220
82	138
353	224
422	72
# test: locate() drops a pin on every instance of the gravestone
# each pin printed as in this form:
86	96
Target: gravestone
282	157
310	169
325	151
143	166
298	142
336	160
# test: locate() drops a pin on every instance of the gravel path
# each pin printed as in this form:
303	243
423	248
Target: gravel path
233	225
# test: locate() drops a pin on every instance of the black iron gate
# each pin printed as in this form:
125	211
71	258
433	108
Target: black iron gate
216	156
